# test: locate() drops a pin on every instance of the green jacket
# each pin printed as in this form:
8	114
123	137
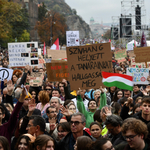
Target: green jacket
89	115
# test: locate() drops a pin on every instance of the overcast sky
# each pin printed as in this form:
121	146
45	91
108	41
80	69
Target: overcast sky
103	10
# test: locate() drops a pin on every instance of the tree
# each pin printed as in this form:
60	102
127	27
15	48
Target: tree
25	37
107	35
57	8
13	20
53	22
42	12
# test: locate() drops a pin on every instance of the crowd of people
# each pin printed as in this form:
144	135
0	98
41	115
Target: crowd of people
53	117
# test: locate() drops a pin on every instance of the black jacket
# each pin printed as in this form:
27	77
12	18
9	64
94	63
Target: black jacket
65	142
139	116
117	139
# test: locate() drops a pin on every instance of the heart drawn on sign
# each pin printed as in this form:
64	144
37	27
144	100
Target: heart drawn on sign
76	40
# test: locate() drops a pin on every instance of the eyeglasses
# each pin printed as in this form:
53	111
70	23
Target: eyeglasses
48	89
52	112
130	137
111	129
75	122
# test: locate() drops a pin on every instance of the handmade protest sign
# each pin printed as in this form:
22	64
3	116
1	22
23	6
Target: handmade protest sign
139	65
120	55
23	53
139	75
57	70
142	54
5	74
36	79
85	64
55	55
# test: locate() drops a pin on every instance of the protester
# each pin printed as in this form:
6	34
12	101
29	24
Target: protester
4	144
25	142
44	142
102	144
135	132
77	125
82	142
113	124
95	129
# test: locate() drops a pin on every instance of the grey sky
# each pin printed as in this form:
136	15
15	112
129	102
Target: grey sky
102	10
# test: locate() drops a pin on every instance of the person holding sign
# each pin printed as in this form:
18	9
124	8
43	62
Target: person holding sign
92	106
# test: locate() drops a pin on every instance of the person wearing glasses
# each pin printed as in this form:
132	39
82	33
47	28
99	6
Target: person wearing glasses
113	124
135	132
77	124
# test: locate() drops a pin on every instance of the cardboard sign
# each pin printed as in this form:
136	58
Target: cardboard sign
57	70
23	53
139	65
56	54
120	55
72	38
36	79
5	74
85	64
139	75
142	54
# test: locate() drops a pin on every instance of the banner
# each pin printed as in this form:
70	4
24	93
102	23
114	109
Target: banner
23	53
139	75
85	64
120	55
57	70
72	38
36	79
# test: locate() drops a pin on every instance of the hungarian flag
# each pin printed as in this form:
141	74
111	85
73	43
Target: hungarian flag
119	80
55	46
44	49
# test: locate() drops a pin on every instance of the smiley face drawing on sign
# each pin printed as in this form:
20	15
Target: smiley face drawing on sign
4	74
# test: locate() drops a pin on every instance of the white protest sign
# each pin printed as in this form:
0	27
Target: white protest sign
23	53
5	74
72	38
139	75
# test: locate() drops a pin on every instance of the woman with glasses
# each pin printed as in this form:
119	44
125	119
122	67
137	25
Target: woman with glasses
71	108
48	89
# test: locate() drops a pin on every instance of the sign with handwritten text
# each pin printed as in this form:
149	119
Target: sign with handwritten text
57	70
120	55
36	79
85	64
139	75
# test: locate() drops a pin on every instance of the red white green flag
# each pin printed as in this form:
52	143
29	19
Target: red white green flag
119	80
